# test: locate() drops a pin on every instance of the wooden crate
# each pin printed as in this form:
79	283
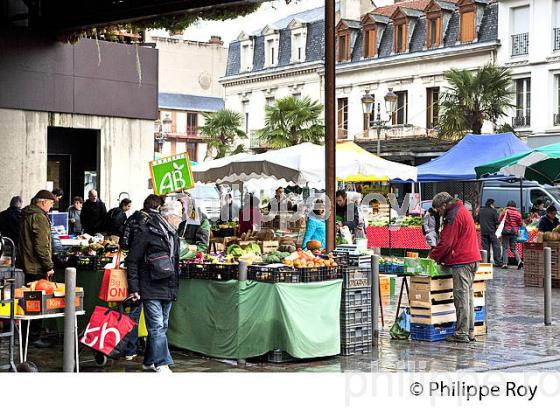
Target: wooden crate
425	298
269	246
426	283
434	319
479	286
485	272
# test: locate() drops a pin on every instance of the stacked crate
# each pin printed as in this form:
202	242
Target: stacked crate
432	310
533	258
355	311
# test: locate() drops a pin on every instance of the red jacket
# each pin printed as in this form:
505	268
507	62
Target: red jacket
458	244
513	220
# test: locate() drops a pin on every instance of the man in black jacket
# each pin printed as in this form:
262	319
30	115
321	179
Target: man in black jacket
347	212
489	221
116	219
93	214
9	219
153	277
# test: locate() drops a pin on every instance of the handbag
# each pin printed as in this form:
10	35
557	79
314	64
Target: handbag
522	234
114	287
500	229
108	331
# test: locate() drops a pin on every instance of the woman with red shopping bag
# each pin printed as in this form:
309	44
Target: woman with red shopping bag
153	277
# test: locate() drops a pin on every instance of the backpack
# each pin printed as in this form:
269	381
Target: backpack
131	225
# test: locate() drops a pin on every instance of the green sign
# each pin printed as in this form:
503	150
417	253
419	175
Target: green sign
171	174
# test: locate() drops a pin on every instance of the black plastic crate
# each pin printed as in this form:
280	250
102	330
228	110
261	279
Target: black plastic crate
356	335
273	274
209	271
341	257
83	262
356	297
319	274
102	261
355	316
359	260
355	349
355	276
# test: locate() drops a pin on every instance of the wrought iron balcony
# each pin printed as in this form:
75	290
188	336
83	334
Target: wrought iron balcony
520	44
521	121
556	32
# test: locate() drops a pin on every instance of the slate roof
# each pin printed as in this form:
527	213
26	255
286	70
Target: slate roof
189	102
488	32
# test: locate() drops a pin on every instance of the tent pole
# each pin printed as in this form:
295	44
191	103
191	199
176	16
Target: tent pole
521	195
330	119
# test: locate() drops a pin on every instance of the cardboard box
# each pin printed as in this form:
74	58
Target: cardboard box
36	302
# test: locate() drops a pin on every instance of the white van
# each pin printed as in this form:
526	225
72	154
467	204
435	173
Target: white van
503	192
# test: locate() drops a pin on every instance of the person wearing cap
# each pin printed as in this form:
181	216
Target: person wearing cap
549	221
35	256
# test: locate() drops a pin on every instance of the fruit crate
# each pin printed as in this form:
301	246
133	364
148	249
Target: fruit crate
357	297
355	276
273	274
319	274
341	257
209	271
431	333
355	316
83	262
349	350
356	335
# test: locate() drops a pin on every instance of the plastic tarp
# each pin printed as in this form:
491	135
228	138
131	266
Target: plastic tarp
458	164
242	319
302	164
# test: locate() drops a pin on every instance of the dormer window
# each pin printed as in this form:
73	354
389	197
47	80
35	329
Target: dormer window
299	41
467	12
271	45
245	53
433	32
346	34
343	53
370	42
400	37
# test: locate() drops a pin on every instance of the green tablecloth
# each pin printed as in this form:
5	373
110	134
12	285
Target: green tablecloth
238	320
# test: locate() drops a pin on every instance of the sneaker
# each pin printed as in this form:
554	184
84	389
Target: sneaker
150	367
458	339
130	357
504	266
163	369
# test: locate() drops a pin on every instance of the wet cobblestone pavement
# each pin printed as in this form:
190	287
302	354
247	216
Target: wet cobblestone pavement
517	340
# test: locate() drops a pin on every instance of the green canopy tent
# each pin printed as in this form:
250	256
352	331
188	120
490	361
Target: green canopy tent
541	165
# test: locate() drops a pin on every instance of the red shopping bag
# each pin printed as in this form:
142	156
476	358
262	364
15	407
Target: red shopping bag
114	287
108	331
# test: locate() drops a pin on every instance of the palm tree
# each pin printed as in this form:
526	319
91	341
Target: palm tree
473	98
221	131
291	121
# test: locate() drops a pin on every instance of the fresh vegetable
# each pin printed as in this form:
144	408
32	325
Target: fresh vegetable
253	247
235	250
47	286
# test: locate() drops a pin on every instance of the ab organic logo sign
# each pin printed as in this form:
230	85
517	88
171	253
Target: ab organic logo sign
171	174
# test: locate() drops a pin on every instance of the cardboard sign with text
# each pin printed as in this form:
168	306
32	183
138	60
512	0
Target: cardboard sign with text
171	174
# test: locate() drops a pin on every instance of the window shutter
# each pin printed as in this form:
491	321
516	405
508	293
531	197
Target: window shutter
467	26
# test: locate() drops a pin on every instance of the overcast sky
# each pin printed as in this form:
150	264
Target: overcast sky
269	12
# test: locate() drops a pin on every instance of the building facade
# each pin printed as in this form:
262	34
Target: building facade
530	36
406	47
188	88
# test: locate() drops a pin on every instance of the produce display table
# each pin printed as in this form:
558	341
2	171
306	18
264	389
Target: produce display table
411	237
242	319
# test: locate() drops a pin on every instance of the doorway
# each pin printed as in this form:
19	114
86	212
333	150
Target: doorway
72	162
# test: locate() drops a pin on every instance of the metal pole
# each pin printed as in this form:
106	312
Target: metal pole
243	270
547	286
378	124
375	297
69	320
330	119
484	255
521	195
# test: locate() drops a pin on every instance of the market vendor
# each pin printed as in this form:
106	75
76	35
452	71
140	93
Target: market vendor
347	211
549	221
280	202
229	210
195	229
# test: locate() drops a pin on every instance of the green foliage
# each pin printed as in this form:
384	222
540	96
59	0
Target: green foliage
291	121
221	131
472	98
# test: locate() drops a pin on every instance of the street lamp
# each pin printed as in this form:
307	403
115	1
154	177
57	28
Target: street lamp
368	103
161	129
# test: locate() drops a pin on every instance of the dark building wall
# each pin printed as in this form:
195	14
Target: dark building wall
93	78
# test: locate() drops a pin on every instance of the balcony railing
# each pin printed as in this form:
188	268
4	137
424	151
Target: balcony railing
521	121
556	33
520	44
556	119
397	132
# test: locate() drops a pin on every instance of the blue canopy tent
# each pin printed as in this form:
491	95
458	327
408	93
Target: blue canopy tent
473	150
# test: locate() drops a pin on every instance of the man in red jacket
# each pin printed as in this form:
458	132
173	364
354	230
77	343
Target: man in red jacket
458	249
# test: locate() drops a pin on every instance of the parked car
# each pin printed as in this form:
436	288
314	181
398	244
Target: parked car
502	192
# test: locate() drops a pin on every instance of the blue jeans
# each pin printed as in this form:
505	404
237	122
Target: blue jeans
156	313
132	346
